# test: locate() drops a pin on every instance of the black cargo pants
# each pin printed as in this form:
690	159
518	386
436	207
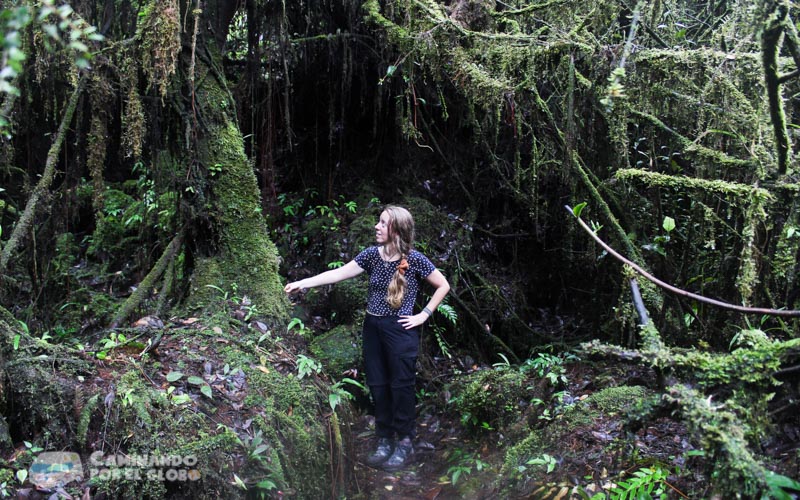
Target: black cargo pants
390	358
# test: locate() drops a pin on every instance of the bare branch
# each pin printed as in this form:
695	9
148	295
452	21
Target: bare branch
676	290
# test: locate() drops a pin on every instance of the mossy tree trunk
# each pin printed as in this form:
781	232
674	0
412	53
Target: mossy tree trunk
240	255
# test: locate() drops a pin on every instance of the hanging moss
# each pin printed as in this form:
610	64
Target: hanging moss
747	277
158	34
97	141
133	119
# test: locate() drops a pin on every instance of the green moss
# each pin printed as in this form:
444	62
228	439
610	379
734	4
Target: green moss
338	349
493	397
721	433
282	393
741	191
398	35
609	401
216	455
158	33
617	399
531	446
85	419
291	420
246	256
166	429
755	365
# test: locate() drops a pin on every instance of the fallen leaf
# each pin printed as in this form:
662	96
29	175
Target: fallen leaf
217	330
263	368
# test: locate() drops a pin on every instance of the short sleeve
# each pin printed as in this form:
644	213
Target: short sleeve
365	259
424	266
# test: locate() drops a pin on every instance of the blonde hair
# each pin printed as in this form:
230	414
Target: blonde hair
401	240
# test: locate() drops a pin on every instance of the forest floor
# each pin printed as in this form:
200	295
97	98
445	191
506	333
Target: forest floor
597	458
451	460
586	463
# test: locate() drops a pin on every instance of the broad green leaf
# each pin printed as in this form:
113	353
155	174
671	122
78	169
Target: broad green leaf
181	399
577	209
238	482
206	390
195	380
173	376
669	224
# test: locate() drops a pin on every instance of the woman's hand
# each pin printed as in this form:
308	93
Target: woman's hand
347	271
293	287
410	322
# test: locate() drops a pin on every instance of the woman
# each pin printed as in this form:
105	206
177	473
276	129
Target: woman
391	330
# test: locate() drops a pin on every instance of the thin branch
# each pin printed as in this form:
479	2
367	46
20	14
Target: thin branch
24	222
147	283
647	28
788	76
673	289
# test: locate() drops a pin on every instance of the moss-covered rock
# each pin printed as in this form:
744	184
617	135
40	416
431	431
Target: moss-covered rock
284	447
291	422
339	349
361	231
491	398
348	300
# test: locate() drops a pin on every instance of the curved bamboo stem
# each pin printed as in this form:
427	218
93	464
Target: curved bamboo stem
679	291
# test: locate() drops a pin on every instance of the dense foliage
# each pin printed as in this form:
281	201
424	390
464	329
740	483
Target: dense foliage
173	158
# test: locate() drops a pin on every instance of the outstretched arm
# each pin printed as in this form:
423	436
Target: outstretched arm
347	271
439	282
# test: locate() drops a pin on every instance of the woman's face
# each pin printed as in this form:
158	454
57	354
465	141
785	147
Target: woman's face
382	229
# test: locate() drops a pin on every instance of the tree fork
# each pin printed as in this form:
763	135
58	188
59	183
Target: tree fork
147	283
